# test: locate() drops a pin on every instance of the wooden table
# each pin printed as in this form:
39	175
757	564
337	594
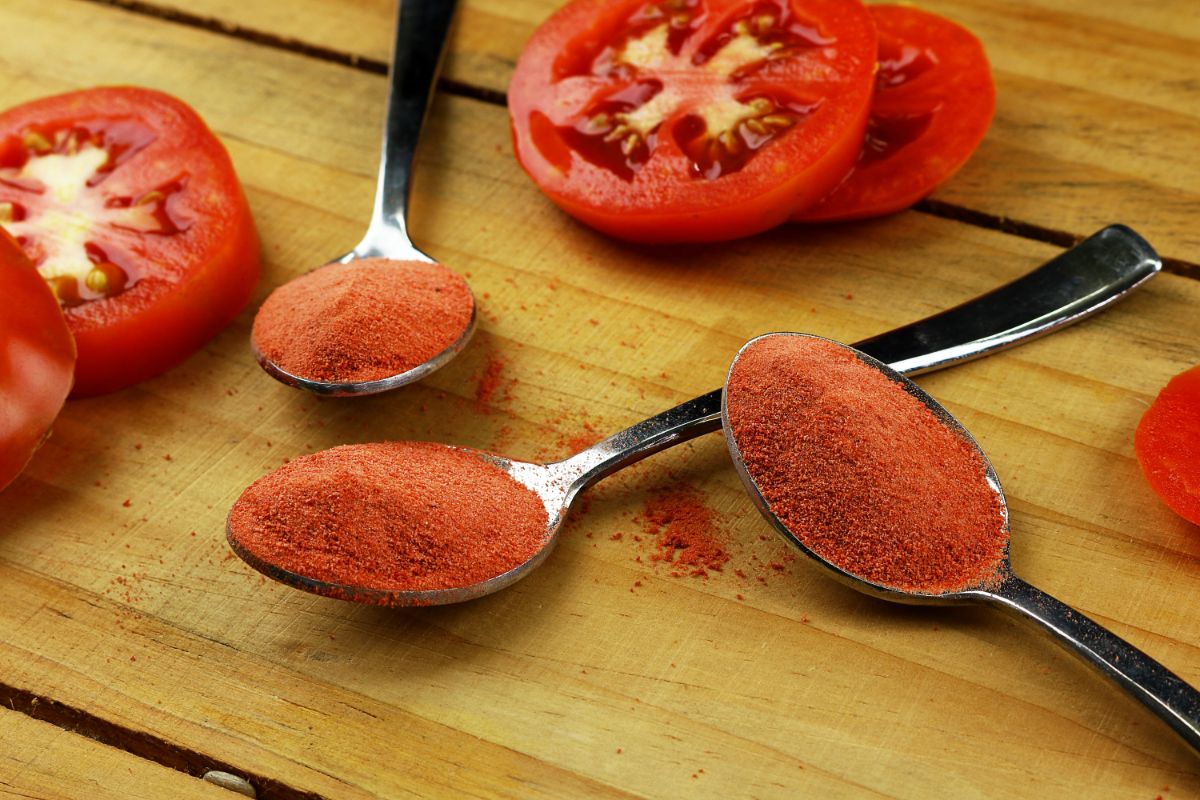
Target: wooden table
137	653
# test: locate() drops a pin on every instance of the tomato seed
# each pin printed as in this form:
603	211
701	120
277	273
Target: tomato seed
36	142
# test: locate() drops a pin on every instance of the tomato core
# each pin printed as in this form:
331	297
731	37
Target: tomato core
726	126
683	120
63	224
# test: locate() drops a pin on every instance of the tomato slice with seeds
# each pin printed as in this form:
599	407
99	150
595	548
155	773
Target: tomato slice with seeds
37	358
1167	442
934	99
131	211
692	120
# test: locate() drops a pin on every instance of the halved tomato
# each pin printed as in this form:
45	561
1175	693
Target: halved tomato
1168	444
37	357
692	120
934	99
131	211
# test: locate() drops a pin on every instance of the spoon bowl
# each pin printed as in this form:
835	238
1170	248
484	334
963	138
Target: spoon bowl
421	32
555	485
773	493
1070	287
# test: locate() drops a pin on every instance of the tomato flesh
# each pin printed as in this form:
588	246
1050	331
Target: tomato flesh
692	121
130	209
934	99
1167	442
37	357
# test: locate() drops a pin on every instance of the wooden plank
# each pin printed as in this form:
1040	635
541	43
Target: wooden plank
1094	123
42	762
601	674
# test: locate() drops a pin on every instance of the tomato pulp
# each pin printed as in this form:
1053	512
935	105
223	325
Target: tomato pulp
37	357
131	211
692	120
934	99
1167	442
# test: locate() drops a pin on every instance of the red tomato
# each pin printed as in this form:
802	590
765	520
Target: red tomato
37	357
934	99
692	120
130	209
1168	444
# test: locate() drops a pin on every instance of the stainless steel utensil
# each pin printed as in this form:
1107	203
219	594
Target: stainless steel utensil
1077	283
421	31
1148	681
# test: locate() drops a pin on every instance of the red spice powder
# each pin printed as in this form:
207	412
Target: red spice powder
862	472
363	321
396	516
684	532
489	382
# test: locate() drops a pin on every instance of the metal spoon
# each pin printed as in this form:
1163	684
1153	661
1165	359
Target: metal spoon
1148	681
421	30
1074	285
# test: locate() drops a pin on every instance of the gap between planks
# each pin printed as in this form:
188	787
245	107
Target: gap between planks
140	743
936	208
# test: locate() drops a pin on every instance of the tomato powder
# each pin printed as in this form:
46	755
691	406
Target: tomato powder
861	472
394	516
683	531
363	321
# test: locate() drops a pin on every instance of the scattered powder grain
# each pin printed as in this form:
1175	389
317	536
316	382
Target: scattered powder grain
684	532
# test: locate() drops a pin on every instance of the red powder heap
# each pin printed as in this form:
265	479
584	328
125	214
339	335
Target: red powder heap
395	516
862	472
362	321
684	532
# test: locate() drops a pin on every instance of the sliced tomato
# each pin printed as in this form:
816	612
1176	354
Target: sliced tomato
131	211
692	120
37	359
1167	442
934	99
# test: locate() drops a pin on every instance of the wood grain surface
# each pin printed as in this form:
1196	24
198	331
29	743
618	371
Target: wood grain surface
132	642
41	761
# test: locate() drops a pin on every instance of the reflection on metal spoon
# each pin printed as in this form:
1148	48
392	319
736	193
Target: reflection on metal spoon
1072	286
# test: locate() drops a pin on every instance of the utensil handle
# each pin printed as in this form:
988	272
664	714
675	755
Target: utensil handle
422	27
1098	271
1149	682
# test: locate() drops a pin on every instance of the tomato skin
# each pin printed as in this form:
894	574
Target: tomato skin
192	282
952	99
664	202
1167	442
37	355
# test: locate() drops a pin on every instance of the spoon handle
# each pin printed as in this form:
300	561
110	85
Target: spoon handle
421	30
1149	682
1103	268
1099	270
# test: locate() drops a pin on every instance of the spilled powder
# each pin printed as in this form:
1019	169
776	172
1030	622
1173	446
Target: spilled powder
489	382
683	532
363	321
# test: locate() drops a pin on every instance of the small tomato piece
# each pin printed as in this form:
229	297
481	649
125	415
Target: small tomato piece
37	357
692	120
934	99
131	211
1167	442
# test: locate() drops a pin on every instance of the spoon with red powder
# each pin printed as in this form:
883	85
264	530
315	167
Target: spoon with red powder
385	314
406	523
869	476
